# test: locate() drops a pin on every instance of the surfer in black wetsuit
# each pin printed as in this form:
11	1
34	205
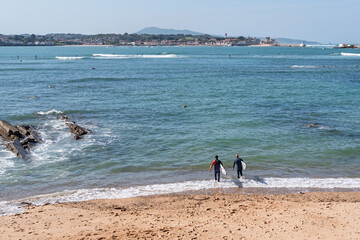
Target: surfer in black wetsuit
239	167
216	163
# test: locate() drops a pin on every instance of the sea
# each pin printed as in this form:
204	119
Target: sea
158	115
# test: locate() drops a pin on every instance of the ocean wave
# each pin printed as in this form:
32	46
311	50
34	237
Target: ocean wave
35	115
69	58
317	126
54	148
324	128
297	66
311	66
160	56
320	45
115	56
12	207
50	112
350	54
6	162
110	55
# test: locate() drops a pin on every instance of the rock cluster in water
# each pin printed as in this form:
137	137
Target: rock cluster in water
21	138
74	128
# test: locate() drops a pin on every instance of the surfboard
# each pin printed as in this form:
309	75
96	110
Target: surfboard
243	165
222	169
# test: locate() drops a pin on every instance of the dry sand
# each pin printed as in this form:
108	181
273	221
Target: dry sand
334	215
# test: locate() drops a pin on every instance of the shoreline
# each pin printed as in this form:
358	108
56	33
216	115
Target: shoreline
113	46
324	215
267	186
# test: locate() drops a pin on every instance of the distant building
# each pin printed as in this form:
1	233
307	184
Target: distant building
269	41
241	43
342	45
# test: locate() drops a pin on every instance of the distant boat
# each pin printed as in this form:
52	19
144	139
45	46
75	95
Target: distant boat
302	44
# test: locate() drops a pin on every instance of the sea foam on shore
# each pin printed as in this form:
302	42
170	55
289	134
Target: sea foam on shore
16	206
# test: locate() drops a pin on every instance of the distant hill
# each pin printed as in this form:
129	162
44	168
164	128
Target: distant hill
293	41
165	31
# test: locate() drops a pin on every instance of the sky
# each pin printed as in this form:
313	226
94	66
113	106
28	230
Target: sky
325	21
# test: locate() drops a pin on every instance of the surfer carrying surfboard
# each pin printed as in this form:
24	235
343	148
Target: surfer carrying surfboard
217	165
239	166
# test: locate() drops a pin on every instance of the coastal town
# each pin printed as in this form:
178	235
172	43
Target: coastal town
129	40
149	40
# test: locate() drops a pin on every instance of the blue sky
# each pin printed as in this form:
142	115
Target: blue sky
317	20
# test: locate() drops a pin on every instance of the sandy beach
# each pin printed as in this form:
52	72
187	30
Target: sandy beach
334	215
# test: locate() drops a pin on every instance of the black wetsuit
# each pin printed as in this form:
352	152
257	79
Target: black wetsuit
216	163
239	167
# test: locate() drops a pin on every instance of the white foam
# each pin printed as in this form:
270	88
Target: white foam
6	161
114	56
310	66
323	128
350	54
320	45
50	112
304	183
58	143
11	207
68	58
110	55
53	132
297	66
160	56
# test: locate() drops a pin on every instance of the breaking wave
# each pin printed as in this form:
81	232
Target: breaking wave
115	56
350	54
312	66
13	207
297	66
69	58
50	112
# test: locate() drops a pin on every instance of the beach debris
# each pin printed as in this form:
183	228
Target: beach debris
21	139
78	131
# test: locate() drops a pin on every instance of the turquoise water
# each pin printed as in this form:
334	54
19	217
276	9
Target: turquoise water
247	100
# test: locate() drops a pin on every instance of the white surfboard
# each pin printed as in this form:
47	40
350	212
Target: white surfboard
222	169
243	165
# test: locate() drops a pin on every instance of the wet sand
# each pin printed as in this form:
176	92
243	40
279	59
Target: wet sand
325	215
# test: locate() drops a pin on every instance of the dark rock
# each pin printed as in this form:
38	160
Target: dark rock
30	132
8	131
23	129
21	138
28	143
77	130
63	117
17	148
74	128
4	135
